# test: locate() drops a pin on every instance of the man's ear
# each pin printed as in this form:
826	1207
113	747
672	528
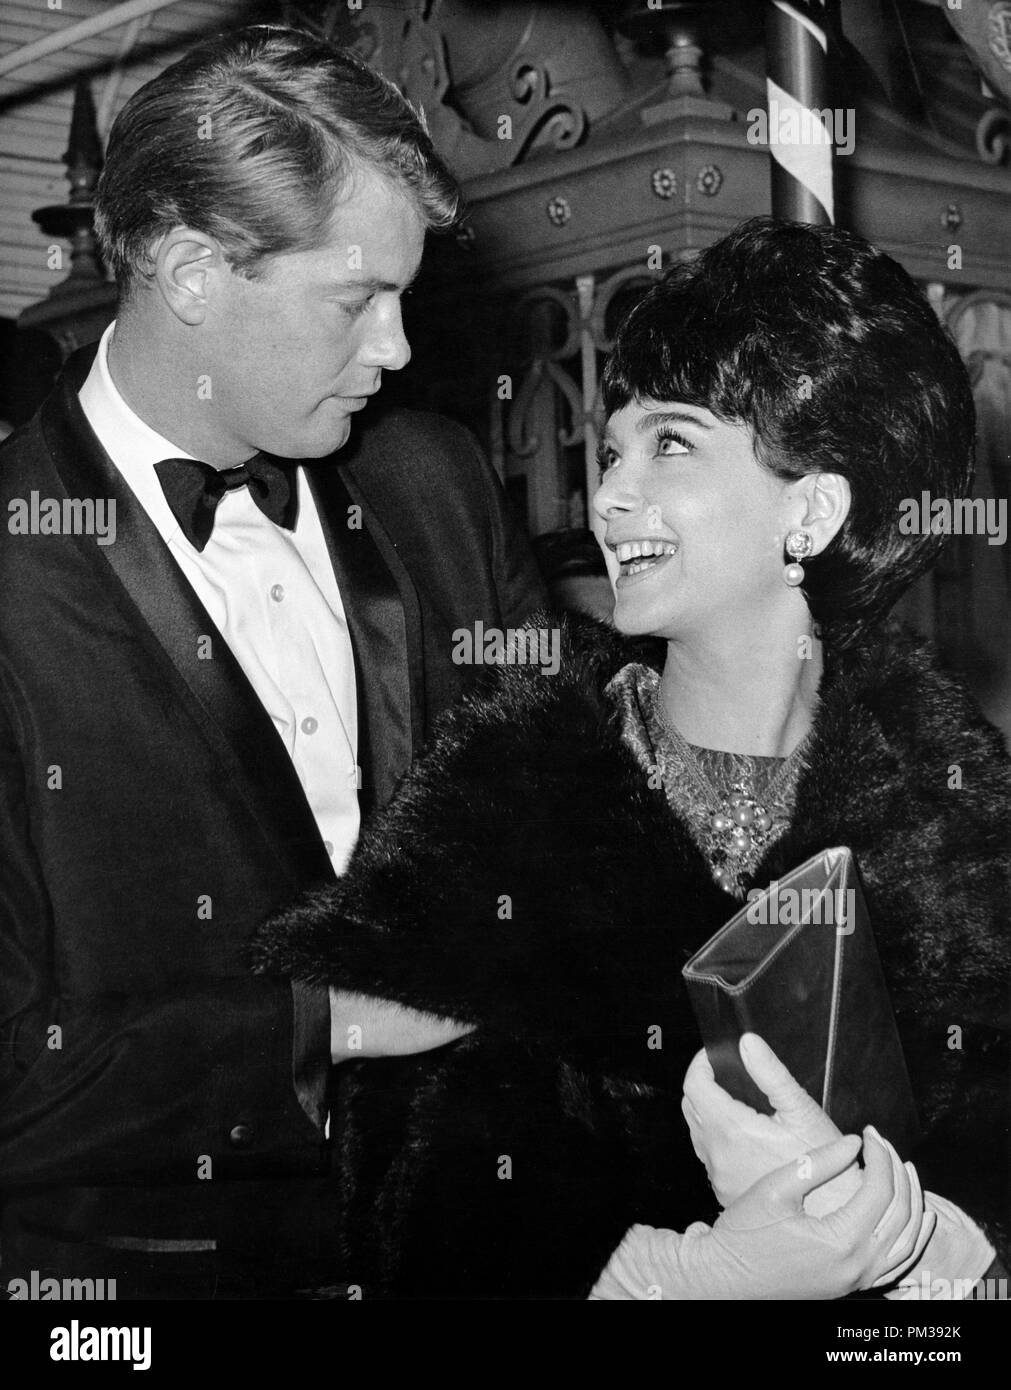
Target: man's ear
826	500
184	262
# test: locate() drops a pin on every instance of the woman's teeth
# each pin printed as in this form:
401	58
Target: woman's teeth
636	556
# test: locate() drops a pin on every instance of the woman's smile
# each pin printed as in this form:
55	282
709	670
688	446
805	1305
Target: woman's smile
639	558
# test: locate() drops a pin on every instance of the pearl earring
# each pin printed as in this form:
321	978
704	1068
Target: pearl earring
798	544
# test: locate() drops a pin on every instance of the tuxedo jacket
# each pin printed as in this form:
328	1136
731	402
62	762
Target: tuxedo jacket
156	1099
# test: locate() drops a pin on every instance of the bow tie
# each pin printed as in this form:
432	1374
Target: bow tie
194	489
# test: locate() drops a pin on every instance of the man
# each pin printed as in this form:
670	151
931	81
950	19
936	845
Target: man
209	673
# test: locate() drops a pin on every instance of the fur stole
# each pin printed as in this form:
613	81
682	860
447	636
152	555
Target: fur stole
527	880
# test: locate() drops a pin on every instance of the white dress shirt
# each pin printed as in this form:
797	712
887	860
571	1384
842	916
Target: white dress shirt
274	598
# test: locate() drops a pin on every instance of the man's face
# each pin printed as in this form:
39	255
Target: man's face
293	354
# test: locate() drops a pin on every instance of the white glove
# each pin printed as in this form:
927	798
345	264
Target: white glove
766	1247
957	1254
738	1146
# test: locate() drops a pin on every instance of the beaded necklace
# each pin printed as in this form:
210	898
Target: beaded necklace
744	818
736	805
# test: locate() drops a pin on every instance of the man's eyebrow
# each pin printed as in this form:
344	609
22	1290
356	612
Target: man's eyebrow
372	285
664	417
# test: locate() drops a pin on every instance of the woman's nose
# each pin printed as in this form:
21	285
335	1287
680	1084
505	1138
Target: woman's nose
614	497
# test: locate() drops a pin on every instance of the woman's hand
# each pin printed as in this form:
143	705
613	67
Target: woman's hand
956	1256
765	1246
738	1146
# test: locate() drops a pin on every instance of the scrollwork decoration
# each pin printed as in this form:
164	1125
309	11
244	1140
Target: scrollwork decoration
544	365
606	292
993	135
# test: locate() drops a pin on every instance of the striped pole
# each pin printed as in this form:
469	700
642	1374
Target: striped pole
796	89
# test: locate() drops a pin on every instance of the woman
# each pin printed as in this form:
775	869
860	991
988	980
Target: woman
571	839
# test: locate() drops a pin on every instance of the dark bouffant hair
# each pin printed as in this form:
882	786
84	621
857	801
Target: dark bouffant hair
253	137
827	349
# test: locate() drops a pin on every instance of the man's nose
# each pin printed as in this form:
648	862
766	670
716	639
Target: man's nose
386	345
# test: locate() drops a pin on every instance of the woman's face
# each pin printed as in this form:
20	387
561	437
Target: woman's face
691	524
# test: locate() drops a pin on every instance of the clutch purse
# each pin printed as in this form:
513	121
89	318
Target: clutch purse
798	966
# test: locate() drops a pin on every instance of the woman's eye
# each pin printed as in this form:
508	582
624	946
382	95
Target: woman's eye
670	442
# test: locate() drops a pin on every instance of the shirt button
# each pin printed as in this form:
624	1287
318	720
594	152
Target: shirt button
328	846
241	1136
309	725
277	592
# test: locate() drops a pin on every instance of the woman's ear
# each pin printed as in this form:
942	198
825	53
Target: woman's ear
183	261
827	500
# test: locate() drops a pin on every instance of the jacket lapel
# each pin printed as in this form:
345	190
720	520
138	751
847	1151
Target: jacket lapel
232	719
384	618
